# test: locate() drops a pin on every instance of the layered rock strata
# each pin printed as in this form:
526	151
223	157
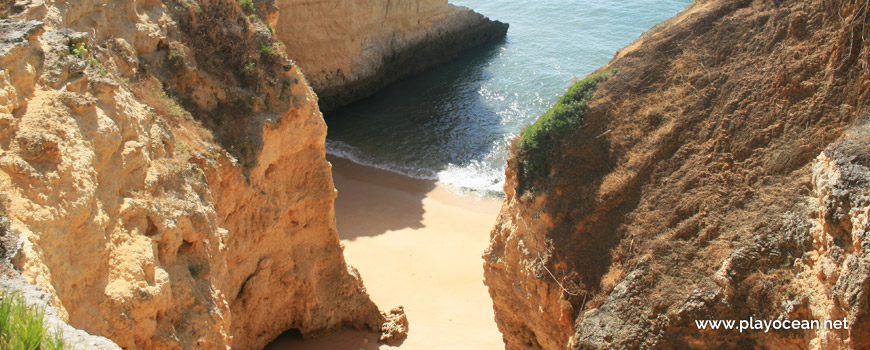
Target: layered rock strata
350	49
163	168
709	176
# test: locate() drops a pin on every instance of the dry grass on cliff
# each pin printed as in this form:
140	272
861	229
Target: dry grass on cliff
150	91
193	141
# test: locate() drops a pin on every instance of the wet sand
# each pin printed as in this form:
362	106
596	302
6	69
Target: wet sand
417	245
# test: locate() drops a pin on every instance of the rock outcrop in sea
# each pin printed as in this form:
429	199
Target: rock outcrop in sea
351	49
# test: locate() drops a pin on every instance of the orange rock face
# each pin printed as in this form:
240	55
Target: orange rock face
166	176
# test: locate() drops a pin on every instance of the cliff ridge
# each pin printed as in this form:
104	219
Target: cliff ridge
714	174
164	172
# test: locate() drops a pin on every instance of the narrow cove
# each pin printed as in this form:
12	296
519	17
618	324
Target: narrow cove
415	216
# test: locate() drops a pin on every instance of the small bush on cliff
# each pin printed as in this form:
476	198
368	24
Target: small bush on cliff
566	115
22	327
248	5
175	59
267	51
247	70
79	50
198	269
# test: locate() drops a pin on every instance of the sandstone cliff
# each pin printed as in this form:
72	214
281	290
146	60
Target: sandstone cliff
162	164
350	49
717	168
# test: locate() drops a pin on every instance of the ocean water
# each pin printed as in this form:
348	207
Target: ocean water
454	122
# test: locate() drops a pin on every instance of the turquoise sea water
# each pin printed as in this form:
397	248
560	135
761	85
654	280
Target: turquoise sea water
453	123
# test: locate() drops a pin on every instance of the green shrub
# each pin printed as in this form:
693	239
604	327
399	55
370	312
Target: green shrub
79	50
175	59
197	270
248	68
22	327
267	50
565	116
248	5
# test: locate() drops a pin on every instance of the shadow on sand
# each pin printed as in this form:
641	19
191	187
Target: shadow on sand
371	201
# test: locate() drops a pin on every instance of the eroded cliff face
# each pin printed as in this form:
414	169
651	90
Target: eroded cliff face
720	172
164	170
350	49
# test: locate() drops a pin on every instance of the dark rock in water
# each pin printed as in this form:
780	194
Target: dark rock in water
438	48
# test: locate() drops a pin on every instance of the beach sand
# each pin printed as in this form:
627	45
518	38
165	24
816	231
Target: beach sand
417	245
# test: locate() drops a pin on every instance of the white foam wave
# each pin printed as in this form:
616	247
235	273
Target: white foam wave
343	150
477	178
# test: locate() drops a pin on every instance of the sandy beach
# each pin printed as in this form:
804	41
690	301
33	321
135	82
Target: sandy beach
417	245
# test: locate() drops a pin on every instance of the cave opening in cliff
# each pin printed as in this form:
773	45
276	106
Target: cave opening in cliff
292	334
342	339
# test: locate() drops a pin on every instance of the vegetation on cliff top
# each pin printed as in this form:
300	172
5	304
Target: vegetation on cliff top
566	115
22	327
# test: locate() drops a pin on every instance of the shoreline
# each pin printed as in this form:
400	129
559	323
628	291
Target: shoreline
338	150
415	244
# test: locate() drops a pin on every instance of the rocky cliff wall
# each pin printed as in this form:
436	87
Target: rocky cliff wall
164	168
714	169
350	49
